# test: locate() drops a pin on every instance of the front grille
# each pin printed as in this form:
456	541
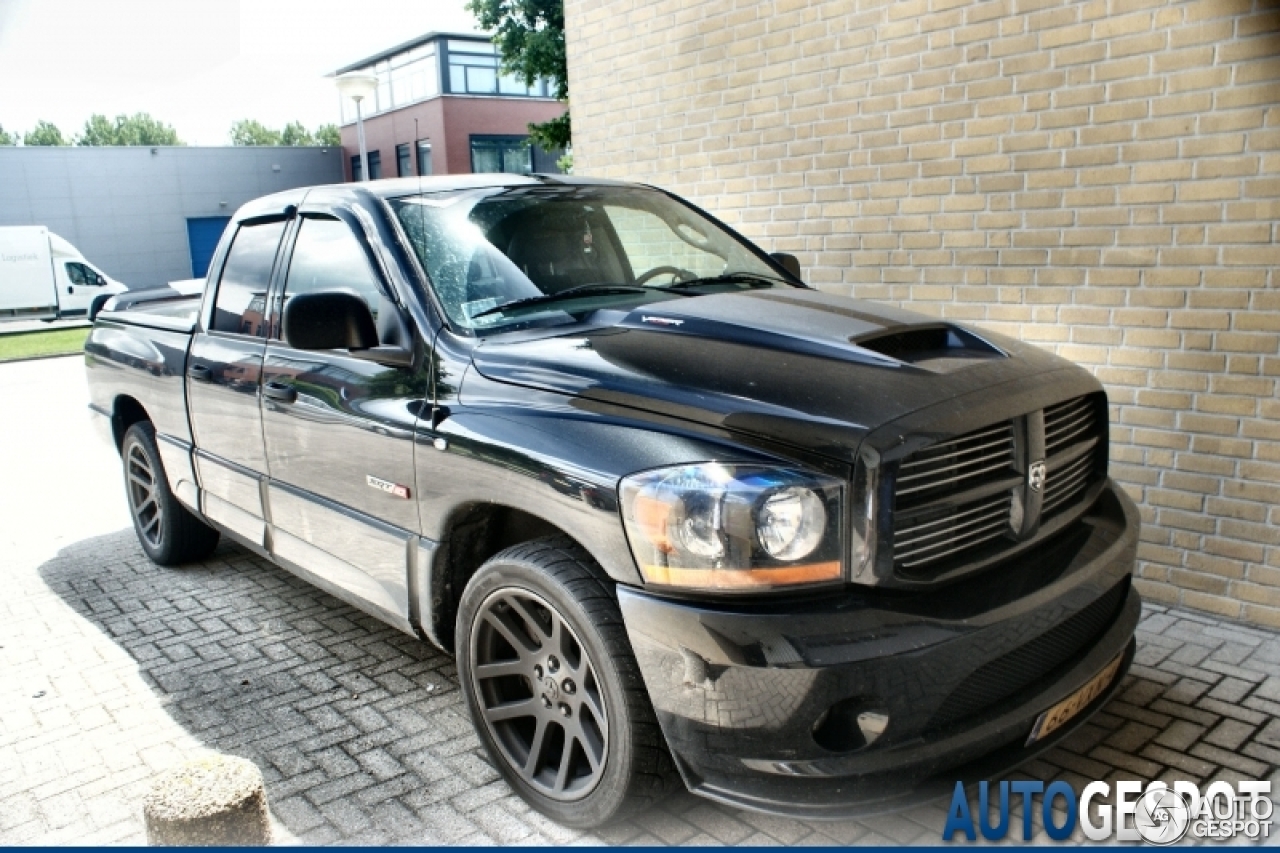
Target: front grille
1073	443
957	464
1031	662
931	528
967	498
950	530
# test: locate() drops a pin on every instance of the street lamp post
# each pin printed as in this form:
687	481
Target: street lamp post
357	87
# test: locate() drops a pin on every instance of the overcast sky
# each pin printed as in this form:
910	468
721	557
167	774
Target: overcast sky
196	64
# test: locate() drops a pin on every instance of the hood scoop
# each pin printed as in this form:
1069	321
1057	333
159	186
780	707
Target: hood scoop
939	348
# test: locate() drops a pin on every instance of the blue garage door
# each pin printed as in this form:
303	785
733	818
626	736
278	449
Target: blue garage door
203	234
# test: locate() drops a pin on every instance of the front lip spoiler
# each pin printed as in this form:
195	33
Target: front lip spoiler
989	767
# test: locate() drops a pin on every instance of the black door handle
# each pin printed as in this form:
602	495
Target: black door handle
281	392
200	372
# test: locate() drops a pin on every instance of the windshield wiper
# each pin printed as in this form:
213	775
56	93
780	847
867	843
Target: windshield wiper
571	293
749	278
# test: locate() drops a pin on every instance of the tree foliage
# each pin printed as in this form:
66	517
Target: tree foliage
530	39
328	134
44	133
7	138
250	131
253	132
137	129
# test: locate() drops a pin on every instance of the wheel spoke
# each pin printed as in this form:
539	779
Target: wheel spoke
145	484
499	669
502	622
535	749
528	616
512	710
588	749
566	759
151	525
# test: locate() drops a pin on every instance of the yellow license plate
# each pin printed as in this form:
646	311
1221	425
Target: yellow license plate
1057	716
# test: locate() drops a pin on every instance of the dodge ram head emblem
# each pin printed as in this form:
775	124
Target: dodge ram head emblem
1035	476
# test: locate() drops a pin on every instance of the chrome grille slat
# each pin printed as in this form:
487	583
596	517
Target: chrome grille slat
994	533
967	463
913	541
903	532
965	476
1061	440
998	443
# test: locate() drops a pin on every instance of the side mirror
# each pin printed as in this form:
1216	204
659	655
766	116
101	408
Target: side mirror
788	262
338	319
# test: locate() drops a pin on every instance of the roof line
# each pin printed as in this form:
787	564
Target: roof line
408	45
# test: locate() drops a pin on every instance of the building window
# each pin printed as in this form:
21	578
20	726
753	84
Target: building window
405	78
474	70
424	157
512	154
375	167
404	165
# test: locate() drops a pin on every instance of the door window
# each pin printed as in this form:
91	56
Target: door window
329	256
240	304
80	275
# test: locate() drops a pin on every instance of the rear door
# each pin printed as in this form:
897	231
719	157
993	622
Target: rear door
339	431
224	372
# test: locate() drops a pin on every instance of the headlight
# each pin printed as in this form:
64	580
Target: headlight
734	527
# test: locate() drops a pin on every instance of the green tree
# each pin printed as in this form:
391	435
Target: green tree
327	134
295	134
137	129
44	133
7	138
530	39
250	131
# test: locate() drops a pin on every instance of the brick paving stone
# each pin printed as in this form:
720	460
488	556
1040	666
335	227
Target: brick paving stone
1230	734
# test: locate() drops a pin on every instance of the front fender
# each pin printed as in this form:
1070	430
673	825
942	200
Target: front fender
560	459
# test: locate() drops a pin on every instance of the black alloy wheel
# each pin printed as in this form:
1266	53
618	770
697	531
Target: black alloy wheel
168	532
553	687
539	694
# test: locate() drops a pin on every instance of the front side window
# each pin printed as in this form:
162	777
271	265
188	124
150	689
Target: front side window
76	272
329	256
240	302
612	247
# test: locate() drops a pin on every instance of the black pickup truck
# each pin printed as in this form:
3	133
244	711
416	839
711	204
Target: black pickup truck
678	515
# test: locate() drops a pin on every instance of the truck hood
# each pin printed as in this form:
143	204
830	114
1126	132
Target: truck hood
799	367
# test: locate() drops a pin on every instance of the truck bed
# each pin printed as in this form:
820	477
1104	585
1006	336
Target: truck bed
161	308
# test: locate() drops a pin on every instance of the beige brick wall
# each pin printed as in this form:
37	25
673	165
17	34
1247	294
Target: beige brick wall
1100	178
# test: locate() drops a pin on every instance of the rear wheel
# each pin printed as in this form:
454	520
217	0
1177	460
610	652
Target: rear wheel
167	531
554	689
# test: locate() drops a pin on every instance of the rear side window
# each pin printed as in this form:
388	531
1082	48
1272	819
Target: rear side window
329	256
241	302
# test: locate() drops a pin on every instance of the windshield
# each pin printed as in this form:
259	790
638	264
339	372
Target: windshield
502	258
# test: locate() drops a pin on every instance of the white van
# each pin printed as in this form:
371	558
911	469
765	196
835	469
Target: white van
42	276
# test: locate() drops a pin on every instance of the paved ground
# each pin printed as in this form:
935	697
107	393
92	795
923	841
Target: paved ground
112	669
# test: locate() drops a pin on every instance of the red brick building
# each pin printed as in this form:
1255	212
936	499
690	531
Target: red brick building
469	116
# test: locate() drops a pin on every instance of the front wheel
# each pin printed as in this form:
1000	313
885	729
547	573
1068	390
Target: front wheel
166	529
554	689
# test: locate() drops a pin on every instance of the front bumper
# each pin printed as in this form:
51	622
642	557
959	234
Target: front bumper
962	673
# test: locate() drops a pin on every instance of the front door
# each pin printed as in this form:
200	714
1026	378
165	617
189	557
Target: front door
80	284
339	436
224	371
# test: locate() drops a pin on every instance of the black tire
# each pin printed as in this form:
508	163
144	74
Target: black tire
167	531
542	580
